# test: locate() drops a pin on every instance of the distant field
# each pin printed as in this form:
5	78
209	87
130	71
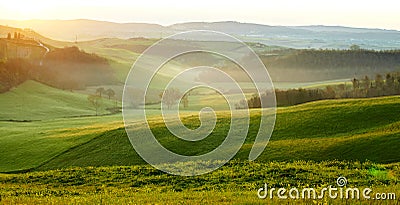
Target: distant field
35	101
214	99
308	85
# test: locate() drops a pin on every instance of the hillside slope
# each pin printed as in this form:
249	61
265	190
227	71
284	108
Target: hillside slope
35	101
4	30
360	129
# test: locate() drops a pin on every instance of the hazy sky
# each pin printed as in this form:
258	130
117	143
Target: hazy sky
370	14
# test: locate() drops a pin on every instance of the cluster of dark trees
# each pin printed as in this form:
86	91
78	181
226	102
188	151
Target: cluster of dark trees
16	36
382	85
171	97
96	100
73	54
317	65
14	72
331	58
71	68
65	68
286	98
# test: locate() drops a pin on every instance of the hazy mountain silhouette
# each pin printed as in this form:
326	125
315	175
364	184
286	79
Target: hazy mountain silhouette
315	36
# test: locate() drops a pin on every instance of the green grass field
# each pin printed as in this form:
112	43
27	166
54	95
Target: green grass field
365	129
72	156
40	121
74	159
54	150
360	129
35	101
237	183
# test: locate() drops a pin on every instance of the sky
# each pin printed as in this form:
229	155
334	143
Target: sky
383	14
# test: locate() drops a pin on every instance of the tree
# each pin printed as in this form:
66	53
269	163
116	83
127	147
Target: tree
355	47
390	87
170	97
378	81
100	91
356	83
366	82
95	101
242	104
185	100
9	36
389	80
330	92
398	82
15	35
110	93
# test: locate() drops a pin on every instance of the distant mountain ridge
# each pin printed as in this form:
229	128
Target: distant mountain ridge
83	30
314	36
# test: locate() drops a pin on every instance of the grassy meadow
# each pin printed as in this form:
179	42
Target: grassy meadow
35	101
318	131
235	183
55	150
68	158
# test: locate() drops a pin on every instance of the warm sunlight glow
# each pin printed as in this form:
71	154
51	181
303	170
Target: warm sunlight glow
23	9
368	14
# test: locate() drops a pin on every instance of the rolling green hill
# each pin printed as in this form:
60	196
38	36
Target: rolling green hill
37	122
350	129
358	129
35	101
311	146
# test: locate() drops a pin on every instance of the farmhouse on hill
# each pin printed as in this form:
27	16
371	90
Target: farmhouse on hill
20	46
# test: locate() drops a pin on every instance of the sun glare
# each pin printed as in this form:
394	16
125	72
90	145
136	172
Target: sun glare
283	12
25	8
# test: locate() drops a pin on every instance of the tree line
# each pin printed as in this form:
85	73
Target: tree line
14	72
72	68
17	36
334	59
64	68
381	85
306	65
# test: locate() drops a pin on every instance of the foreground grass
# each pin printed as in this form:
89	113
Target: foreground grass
25	145
237	182
118	196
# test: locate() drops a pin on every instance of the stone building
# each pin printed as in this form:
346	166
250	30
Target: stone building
20	48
